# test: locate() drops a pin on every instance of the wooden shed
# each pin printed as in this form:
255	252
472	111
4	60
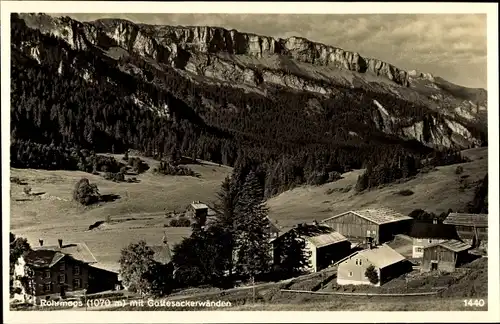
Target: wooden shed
380	225
444	256
387	263
424	234
471	228
325	246
197	211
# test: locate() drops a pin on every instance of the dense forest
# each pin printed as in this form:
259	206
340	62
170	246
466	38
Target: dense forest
68	105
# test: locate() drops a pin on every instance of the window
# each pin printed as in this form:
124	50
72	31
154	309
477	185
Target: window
430	240
62	278
48	287
47	274
356	261
62	267
76	283
350	273
419	250
360	262
77	270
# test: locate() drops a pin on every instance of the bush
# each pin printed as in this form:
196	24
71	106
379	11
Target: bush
180	222
372	274
85	193
115	177
459	170
27	191
171	169
16	180
138	165
405	192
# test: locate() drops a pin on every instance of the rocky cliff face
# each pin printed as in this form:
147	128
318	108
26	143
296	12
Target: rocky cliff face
166	44
209	54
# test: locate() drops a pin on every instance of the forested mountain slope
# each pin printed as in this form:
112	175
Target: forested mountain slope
293	109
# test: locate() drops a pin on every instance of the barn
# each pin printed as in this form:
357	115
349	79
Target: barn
387	263
445	256
378	225
325	246
471	228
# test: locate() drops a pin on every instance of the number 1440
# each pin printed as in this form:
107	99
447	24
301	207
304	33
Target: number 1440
474	302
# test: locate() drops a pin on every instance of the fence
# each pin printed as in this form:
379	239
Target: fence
427	293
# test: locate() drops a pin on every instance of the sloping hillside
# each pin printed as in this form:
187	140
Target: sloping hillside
137	213
435	191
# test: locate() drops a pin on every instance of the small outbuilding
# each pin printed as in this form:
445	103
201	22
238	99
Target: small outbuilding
383	260
198	212
424	234
445	256
325	246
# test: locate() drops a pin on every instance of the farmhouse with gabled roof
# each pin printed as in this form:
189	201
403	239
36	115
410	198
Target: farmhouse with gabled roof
53	271
387	263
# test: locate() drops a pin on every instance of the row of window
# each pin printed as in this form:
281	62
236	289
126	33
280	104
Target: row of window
76	285
76	271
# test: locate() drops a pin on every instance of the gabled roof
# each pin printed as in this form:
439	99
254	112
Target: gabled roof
42	258
162	254
381	256
378	216
198	205
319	235
436	231
78	251
272	226
462	219
452	245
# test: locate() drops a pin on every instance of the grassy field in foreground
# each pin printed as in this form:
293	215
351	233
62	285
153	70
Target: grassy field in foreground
436	191
374	305
139	213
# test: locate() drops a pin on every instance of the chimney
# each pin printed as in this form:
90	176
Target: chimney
40	241
60	243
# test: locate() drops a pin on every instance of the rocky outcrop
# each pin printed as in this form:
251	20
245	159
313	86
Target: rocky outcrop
243	59
164	43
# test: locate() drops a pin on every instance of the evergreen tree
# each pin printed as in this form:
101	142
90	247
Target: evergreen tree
252	242
292	254
226	218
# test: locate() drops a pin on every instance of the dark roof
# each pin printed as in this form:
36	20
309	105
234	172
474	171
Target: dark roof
272	227
162	253
452	245
78	251
462	219
42	258
435	231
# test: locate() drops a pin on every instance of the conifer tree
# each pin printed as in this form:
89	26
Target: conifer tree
252	242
